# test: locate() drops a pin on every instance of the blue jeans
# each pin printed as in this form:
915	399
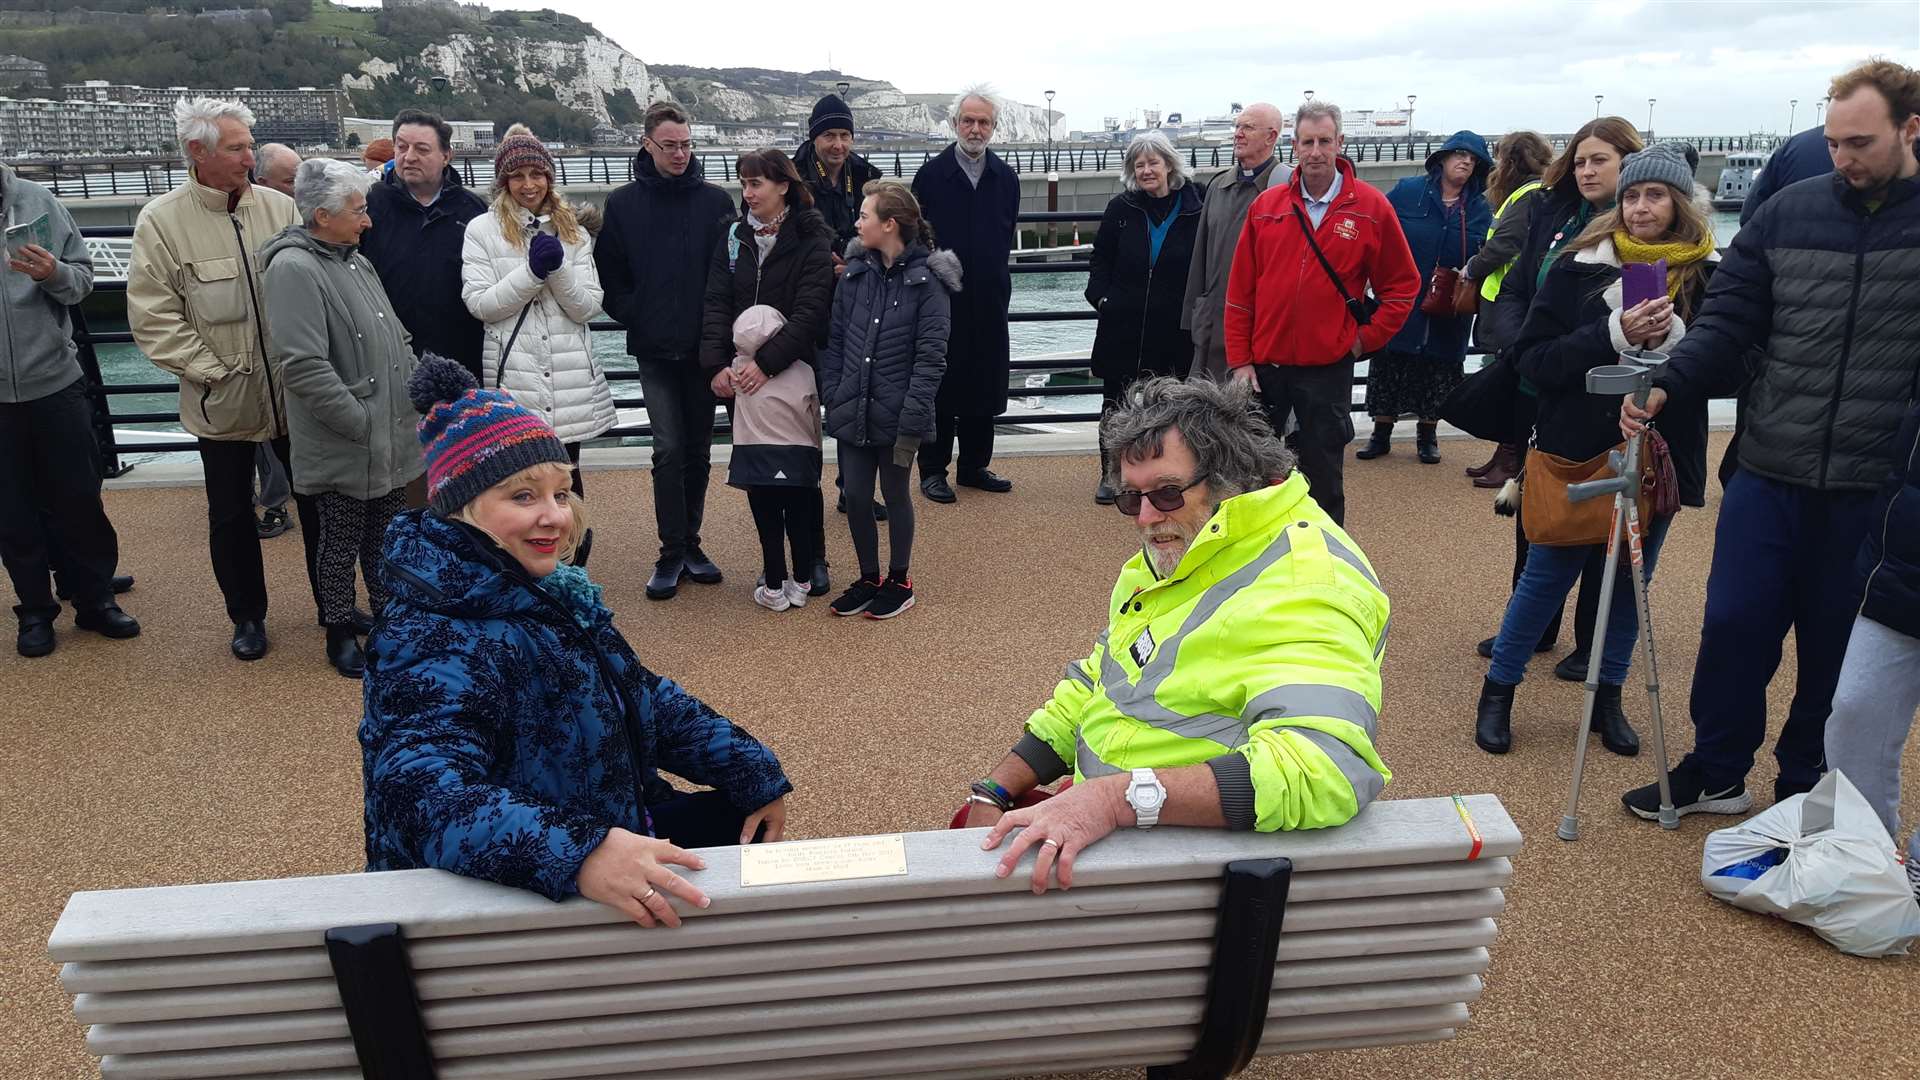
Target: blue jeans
1783	557
1542	592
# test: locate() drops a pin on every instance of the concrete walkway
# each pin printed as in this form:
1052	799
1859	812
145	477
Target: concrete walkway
163	760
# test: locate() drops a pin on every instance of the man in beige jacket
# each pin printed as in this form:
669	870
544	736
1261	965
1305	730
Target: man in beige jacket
195	304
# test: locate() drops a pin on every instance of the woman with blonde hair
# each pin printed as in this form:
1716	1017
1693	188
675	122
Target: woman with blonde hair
527	272
1581	319
510	732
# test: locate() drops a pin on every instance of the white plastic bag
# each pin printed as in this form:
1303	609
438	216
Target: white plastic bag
1823	860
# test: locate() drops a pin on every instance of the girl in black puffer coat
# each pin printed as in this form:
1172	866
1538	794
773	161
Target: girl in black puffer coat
879	375
779	254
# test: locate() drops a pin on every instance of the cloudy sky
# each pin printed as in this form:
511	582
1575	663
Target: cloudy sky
1715	67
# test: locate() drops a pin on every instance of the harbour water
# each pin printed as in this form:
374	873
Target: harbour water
1031	292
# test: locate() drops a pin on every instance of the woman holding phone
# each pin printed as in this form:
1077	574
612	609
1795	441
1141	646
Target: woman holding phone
1580	320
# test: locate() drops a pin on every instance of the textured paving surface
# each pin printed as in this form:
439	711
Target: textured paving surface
163	760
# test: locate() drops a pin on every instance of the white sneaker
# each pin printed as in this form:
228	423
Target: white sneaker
772	599
796	592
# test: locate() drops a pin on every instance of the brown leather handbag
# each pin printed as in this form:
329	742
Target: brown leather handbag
1551	519
1448	293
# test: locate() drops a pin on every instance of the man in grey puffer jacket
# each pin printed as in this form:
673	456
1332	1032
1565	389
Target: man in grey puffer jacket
1822	281
48	460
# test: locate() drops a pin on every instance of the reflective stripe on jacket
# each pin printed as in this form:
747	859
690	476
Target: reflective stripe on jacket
1265	644
1490	289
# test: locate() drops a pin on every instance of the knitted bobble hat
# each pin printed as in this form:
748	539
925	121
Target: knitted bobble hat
518	150
473	438
1665	162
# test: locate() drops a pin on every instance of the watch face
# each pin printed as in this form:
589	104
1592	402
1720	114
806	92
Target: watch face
1147	798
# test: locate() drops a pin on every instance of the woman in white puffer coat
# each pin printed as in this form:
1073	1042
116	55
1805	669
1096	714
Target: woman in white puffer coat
531	255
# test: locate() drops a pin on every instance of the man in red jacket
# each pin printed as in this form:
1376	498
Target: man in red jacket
1294	329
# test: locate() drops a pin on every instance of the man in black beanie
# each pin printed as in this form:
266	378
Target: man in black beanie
837	175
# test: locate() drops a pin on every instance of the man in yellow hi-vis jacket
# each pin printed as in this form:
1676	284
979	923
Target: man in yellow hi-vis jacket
1237	684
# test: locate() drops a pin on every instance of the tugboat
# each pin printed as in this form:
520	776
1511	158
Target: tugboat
1736	179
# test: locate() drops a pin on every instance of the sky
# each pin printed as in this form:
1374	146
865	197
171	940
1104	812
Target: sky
1714	67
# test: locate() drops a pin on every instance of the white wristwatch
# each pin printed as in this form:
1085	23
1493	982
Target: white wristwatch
1146	794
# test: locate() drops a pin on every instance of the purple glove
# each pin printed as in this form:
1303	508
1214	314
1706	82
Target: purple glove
544	255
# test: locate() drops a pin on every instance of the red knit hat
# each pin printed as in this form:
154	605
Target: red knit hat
517	151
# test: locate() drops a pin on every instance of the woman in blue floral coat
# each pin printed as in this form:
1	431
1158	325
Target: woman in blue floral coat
510	732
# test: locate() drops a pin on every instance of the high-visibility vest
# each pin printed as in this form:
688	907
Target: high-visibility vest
1490	289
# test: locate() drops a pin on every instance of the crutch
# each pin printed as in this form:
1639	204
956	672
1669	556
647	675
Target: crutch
1634	375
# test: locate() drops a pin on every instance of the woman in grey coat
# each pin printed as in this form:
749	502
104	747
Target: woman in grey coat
344	360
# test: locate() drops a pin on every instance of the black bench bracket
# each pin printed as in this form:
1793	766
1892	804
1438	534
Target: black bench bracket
383	1013
1253	902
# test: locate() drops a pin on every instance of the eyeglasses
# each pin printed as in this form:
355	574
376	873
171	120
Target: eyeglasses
673	147
1164	499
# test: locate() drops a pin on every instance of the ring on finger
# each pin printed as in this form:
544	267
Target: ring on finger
651	891
1049	843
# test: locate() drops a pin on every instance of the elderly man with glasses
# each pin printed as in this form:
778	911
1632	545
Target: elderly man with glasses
1237	684
652	255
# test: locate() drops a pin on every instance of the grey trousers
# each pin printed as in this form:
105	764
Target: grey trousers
1873	709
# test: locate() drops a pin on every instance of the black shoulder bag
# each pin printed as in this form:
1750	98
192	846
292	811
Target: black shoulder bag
1362	309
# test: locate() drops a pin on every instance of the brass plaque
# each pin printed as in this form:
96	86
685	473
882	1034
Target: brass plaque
840	859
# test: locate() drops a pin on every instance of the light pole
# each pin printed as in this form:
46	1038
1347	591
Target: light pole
1410	101
1597	99
1793	106
1820	109
1650	102
1306	95
1049	94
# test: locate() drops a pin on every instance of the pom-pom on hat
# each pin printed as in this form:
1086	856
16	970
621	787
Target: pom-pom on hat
519	149
473	438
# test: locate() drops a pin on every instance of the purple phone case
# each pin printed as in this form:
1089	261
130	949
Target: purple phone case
1640	282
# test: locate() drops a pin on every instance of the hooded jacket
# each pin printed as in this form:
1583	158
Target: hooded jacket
880	372
1140	298
1259	656
653	253
796	280
1223	214
1281	306
507	729
1436	237
41	357
344	358
838	203
1890	559
551	368
416	250
1574	326
196	305
1826	287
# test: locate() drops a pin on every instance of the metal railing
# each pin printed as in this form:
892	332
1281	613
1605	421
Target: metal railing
112	447
134	179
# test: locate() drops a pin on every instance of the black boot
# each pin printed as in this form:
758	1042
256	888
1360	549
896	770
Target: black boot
1426	441
1103	495
1610	723
343	651
1493	726
1379	444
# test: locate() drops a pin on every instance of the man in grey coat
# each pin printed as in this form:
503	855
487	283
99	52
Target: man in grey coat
49	463
1256	132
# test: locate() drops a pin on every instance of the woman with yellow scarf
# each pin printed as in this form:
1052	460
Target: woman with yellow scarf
1578	321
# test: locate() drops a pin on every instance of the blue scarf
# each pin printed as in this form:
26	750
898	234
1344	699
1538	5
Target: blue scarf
569	585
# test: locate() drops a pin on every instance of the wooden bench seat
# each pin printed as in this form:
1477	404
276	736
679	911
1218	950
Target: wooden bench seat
942	972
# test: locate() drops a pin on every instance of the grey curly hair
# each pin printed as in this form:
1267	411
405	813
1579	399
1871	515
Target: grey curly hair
1223	423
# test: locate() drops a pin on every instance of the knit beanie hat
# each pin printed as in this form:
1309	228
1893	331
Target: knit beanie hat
829	112
518	150
473	438
1665	162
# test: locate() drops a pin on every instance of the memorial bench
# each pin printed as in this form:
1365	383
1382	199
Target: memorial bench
1187	951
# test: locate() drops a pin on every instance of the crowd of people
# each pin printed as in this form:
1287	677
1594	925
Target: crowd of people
411	364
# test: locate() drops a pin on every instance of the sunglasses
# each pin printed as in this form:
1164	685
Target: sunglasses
1164	499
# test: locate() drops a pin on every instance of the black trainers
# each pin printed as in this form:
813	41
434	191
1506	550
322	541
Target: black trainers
894	597
1693	793
857	597
272	523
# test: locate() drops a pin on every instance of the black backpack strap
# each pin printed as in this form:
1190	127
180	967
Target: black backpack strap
1361	316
